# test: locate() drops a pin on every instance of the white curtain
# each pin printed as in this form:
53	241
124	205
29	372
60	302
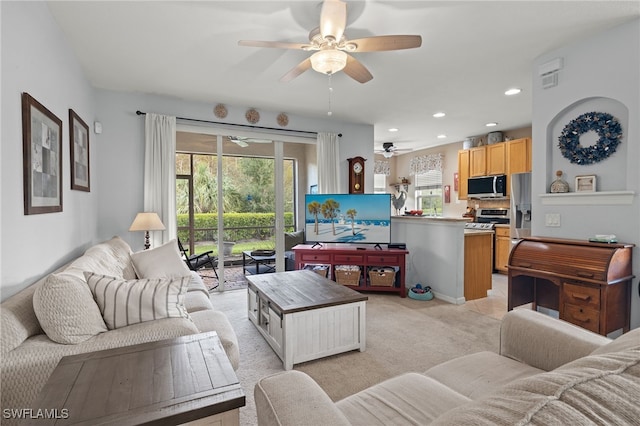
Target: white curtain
328	152
160	174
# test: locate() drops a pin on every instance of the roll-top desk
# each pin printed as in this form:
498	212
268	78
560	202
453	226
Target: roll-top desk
589	284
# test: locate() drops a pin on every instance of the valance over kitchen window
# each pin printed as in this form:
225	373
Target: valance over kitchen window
425	163
381	167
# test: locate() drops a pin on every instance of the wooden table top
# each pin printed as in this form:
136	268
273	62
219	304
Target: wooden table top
167	382
295	291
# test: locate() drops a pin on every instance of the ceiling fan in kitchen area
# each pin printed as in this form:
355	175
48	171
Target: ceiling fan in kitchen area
388	149
332	48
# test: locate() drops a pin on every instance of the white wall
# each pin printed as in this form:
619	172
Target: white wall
36	59
601	73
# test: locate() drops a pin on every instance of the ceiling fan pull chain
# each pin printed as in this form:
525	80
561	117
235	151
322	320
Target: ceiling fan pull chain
329	113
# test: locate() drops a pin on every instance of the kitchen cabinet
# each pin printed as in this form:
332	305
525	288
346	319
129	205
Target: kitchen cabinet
496	159
518	155
589	284
478	161
502	248
463	173
478	264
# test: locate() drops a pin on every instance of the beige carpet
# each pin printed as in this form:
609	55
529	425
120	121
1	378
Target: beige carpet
402	335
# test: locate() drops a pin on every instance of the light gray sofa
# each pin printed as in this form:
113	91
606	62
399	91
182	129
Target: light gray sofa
548	372
29	356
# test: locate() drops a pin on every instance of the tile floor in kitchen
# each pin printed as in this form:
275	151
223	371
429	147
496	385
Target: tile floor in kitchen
495	304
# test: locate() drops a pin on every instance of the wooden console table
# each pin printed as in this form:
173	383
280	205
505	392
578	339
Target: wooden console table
330	255
589	284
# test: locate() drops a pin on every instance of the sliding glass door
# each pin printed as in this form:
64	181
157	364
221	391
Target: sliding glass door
234	197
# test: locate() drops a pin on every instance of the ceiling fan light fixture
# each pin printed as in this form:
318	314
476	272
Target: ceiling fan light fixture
387	154
328	61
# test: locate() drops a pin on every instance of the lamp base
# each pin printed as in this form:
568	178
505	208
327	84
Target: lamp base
147	244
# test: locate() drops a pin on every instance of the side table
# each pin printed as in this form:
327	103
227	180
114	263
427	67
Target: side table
186	380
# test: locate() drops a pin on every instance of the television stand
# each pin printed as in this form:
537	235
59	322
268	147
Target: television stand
327	257
377	247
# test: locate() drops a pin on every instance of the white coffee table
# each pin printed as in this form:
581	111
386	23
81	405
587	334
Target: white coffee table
304	316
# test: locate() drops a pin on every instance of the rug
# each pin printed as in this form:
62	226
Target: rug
402	335
234	278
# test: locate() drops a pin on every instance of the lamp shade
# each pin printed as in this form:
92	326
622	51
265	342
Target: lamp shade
329	61
147	221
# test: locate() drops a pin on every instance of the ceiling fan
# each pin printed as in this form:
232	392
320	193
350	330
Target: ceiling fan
332	48
388	149
244	142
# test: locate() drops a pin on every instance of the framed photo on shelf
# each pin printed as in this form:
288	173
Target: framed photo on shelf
41	158
586	183
79	147
313	189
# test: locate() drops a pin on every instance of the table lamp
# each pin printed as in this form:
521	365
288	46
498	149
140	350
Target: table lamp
147	221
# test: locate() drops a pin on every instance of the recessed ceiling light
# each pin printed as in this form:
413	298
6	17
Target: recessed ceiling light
492	124
513	91
393	129
439	114
442	136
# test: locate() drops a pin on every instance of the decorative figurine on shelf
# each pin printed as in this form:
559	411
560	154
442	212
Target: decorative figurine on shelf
398	201
559	185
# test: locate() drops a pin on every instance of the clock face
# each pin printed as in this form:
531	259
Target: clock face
357	168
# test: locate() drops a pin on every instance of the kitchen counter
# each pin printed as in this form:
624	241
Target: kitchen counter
436	253
434	218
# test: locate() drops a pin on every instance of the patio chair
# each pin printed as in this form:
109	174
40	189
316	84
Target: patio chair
195	262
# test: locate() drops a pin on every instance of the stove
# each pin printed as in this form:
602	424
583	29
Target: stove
477	226
500	215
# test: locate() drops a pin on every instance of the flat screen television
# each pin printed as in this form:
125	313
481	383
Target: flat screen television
348	218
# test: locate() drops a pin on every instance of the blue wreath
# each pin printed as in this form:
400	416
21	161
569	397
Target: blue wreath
605	125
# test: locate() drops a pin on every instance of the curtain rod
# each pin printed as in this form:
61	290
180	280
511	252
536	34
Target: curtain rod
138	112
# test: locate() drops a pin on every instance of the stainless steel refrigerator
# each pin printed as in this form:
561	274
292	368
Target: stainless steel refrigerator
520	209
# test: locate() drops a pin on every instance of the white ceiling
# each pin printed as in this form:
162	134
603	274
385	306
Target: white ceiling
471	53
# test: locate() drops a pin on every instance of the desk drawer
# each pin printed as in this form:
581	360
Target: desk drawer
583	317
315	257
579	295
348	258
383	259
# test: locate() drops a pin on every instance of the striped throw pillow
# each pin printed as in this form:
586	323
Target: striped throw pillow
125	302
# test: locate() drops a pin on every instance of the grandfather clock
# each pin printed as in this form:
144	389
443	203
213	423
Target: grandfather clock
356	175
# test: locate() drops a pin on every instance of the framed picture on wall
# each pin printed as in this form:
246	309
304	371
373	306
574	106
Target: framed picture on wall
41	158
586	183
79	147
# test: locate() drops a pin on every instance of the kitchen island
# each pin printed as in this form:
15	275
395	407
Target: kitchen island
436	253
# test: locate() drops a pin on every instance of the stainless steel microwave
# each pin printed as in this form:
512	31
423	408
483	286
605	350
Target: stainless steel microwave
487	187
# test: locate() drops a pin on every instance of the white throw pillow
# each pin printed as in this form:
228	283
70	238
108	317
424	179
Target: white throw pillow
161	262
66	310
126	302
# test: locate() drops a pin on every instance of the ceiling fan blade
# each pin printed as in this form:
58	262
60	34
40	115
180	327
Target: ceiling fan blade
296	71
274	44
388	42
239	142
356	70
333	19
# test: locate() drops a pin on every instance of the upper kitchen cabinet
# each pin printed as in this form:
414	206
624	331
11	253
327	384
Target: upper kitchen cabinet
519	155
496	159
463	173
478	161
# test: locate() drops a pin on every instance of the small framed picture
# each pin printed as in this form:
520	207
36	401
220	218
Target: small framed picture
42	158
313	189
586	183
79	145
